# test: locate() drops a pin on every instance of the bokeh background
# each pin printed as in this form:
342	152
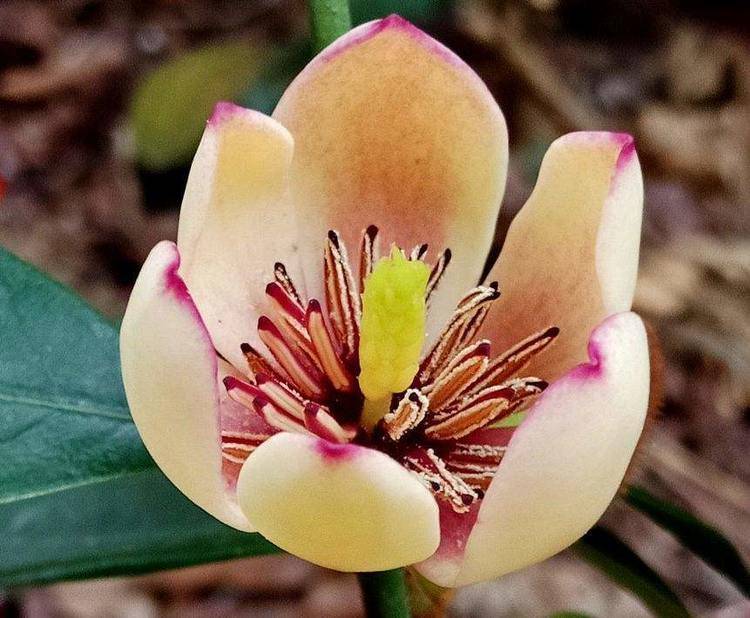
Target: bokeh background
102	104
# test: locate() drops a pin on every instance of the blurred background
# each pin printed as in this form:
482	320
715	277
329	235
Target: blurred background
102	104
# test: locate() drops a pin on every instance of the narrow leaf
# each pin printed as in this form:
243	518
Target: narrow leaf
604	551
700	538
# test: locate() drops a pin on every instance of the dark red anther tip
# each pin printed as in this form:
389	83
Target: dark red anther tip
334	238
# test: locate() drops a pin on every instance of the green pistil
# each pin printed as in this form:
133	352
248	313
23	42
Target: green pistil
392	330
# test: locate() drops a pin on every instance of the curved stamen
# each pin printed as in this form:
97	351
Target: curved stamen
282	277
437	272
369	252
458	375
301	369
341	296
325	349
319	420
453	336
432	471
517	358
409	412
485	407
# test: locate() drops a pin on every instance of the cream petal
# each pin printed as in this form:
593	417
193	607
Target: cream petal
392	129
344	507
169	368
565	463
571	254
236	222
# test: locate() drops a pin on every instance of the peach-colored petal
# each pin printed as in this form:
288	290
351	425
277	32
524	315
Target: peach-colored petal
571	254
392	128
236	222
564	463
341	506
169	369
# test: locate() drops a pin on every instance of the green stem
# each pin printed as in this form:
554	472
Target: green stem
384	594
329	20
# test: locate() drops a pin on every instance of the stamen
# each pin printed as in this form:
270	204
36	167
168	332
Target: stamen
462	455
474	323
325	349
291	319
319	420
453	334
299	368
418	252
341	296
458	375
278	418
237	445
284	280
282	397
483	408
432	471
408	414
437	272
516	359
242	392
256	363
368	254
276	408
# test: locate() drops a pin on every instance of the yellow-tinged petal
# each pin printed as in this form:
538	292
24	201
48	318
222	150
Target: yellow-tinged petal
563	464
571	254
169	368
236	222
392	129
344	507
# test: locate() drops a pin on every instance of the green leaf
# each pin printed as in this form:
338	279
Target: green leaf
616	560
700	538
79	495
421	12
64	421
170	106
133	524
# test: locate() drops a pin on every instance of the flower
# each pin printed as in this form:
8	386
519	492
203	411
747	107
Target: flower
280	384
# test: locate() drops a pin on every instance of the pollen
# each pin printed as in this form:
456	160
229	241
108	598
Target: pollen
393	325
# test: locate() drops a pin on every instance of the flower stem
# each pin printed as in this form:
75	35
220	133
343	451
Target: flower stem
329	20
384	594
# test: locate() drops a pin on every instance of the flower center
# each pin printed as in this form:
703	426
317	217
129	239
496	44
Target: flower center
353	371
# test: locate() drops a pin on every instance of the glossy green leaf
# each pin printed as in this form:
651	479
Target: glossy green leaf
170	106
604	551
79	495
64	421
133	524
704	540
